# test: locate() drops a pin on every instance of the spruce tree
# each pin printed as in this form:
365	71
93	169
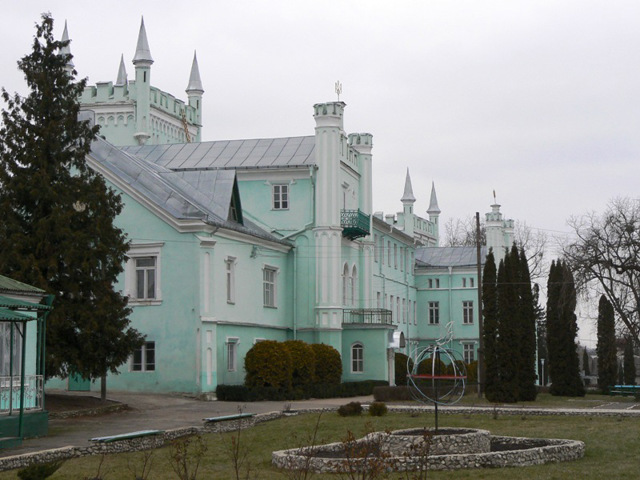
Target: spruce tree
490	328
57	231
629	367
606	348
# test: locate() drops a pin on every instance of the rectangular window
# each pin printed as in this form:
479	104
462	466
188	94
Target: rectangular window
378	300
10	352
437	283
434	313
404	311
269	287
144	358
145	278
281	197
231	279
468	353
357	358
382	250
398	309
375	248
464	283
471	282
389	254
395	256
391	307
385	301
415	313
232	354
467	312
430	283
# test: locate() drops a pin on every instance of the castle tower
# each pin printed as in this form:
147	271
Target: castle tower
66	50
194	91
407	206
142	62
434	212
328	232
499	232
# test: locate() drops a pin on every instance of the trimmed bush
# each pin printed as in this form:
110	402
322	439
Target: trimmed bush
304	362
401	368
328	363
378	409
472	372
268	364
351	409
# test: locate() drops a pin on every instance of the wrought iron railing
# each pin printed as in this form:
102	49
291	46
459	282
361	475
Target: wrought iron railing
374	316
10	393
354	223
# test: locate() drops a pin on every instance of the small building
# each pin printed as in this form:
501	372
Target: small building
23	312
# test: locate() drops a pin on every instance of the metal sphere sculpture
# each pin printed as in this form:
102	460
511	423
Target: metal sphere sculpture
437	376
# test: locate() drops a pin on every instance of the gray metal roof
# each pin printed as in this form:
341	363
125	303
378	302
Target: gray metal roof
203	195
230	154
10	285
448	256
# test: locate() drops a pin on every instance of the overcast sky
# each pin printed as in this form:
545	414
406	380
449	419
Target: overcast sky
537	100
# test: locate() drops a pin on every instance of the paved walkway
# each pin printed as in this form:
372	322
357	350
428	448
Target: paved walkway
165	412
152	412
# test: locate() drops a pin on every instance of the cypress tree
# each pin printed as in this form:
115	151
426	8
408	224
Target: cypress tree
527	374
57	231
507	341
629	363
606	348
585	362
490	328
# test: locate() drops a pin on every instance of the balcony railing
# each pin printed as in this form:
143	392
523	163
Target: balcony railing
10	393
372	316
354	223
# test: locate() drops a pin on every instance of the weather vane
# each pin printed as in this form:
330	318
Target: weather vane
338	89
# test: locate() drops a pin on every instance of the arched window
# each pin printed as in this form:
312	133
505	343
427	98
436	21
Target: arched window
357	358
353	284
345	284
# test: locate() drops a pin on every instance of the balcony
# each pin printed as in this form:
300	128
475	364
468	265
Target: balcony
10	393
355	224
370	316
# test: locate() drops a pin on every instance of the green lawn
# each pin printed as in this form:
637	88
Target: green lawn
611	447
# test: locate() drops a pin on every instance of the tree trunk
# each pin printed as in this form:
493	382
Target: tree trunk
103	388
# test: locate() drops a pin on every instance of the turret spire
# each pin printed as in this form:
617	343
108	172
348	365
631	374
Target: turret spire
195	84
66	50
407	196
143	53
433	203
122	73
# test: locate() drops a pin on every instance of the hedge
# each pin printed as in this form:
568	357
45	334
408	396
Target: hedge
268	364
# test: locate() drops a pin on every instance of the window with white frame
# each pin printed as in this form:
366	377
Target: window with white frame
232	354
430	283
269	275
464	283
378	300
143	274
144	358
391	308
467	312
398	308
415	313
468	352
471	282
404	310
437	283
357	358
434	313
10	351
375	248
381	250
230	264
345	284
280	197
389	254
402	252
353	286
385	301
395	256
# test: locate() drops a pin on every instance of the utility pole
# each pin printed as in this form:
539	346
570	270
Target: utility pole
480	322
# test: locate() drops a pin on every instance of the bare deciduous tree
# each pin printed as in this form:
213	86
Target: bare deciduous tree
605	257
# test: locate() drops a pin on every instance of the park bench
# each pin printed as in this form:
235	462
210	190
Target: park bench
126	436
624	390
226	418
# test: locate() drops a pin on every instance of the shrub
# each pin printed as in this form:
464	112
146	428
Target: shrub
387	394
328	363
378	409
304	362
472	372
39	471
268	364
351	409
401	368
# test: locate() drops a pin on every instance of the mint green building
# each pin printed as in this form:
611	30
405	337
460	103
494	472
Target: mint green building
234	242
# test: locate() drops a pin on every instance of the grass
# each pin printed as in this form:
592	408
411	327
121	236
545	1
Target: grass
611	447
546	400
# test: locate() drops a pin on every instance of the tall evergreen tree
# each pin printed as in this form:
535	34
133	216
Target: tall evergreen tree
585	362
527	374
561	333
629	367
57	230
606	348
541	335
490	328
507	340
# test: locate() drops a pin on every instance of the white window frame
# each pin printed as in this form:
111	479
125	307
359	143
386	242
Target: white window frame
5	351
231	353
464	282
471	282
467	312
468	353
434	313
404	311
137	251
391	308
270	287
230	277
280	196
145	365
357	358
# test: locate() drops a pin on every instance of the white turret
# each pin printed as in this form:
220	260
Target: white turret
122	73
66	50
434	210
408	200
499	232
194	91
142	61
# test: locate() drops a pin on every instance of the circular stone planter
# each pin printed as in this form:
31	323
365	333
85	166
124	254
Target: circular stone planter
450	449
